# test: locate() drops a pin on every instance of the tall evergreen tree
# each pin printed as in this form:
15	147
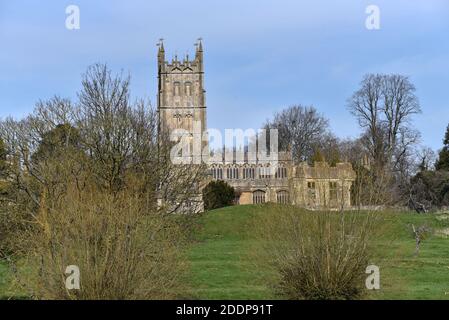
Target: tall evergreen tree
443	160
63	138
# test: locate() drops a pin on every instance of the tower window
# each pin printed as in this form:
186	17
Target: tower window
176	89
188	88
177	116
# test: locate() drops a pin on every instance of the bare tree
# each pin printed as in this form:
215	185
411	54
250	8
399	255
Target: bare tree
330	147
104	117
384	106
426	159
300	129
403	157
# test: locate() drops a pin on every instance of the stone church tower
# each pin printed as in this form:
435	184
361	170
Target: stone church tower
181	98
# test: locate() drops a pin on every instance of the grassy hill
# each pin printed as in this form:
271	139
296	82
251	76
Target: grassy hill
221	259
223	267
223	264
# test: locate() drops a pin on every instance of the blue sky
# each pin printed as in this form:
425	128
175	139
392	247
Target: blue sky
260	56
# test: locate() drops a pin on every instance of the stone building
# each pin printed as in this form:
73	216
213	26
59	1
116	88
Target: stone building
181	103
315	187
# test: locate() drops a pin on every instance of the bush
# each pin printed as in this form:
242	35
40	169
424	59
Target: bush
429	189
316	255
123	251
218	194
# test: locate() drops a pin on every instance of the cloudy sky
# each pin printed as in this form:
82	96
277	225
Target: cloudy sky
260	56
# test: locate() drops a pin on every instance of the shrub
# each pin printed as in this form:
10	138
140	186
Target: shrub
316	255
429	189
123	251
218	194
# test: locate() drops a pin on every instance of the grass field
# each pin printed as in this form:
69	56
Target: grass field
5	282
222	264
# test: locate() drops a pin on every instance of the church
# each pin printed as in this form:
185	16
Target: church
181	103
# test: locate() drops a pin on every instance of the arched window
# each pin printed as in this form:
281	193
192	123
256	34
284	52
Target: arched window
232	173
258	197
220	173
217	173
281	173
248	173
282	197
177	116
188	88
176	89
264	172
